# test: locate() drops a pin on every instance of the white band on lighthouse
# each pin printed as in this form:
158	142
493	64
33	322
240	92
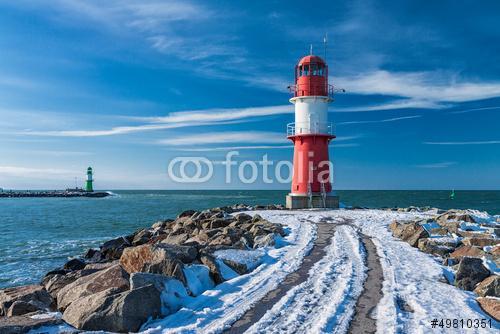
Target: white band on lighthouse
311	114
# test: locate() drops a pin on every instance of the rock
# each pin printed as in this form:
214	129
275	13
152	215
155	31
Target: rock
243	217
489	287
172	290
101	266
141	237
93	255
470	251
409	232
24	323
113	277
176	239
160	258
491	306
113	249
115	311
470	272
74	264
20	307
187	213
480	242
217	223
439	231
215	273
54	283
437	246
33	294
268	240
451	227
450	262
139	280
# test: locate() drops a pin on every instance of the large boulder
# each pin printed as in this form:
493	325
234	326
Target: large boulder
115	311
55	282
410	232
470	272
113	277
450	226
489	287
437	246
34	297
160	258
213	267
25	323
469	251
113	249
491	306
480	242
74	264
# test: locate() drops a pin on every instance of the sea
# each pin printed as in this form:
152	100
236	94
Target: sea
41	234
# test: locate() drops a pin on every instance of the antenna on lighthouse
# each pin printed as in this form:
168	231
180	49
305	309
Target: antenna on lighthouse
325	43
311	50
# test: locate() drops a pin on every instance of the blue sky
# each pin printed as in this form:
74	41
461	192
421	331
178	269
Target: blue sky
126	86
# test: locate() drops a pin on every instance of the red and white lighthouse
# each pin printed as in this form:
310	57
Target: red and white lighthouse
311	134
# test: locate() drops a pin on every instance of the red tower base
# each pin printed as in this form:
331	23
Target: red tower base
310	202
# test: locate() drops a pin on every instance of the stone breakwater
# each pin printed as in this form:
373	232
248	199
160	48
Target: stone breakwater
469	248
144	275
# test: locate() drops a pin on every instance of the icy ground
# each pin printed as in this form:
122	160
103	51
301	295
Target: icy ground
325	302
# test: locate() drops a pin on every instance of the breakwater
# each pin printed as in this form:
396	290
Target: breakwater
55	193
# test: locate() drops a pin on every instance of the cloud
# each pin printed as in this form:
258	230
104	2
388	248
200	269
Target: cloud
473	109
445	164
393	105
226	137
420	87
236	148
486	142
387	120
41	173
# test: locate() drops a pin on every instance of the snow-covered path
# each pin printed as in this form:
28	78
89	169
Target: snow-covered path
325	302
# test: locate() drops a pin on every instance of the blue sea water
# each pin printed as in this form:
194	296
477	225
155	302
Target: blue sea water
40	234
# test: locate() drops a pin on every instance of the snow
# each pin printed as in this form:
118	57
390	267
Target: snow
491	266
226	272
250	258
173	297
198	278
325	301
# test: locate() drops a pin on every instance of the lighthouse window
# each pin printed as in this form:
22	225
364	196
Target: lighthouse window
306	70
314	69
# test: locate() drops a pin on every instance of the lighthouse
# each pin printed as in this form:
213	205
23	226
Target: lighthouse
90	180
311	133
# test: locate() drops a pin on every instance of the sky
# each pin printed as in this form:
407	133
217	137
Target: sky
128	86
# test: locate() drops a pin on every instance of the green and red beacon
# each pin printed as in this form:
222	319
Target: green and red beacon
311	134
88	184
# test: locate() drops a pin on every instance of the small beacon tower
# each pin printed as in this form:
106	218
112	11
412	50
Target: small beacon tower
90	180
311	133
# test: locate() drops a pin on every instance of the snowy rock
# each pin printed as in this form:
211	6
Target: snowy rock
113	277
489	287
35	295
26	323
409	232
451	227
213	268
240	261
480	242
469	251
115	311
198	279
268	240
470	272
490	306
437	246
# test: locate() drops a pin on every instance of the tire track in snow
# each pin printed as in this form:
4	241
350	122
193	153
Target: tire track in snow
324	303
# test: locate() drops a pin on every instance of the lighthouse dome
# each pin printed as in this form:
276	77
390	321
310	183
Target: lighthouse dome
311	77
311	59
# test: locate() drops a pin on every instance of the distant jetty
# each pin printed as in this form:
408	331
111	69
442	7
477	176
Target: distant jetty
53	193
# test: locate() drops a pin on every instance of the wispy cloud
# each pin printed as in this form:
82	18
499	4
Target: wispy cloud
226	137
387	120
236	148
41	173
473	109
485	142
419	87
445	164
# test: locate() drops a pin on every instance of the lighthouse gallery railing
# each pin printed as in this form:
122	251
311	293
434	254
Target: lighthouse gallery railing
293	129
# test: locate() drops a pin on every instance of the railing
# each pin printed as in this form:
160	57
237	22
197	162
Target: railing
313	90
293	129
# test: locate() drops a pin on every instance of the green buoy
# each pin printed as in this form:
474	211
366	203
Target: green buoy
88	184
452	195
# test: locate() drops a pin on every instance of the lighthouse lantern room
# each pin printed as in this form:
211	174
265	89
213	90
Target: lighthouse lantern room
311	134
